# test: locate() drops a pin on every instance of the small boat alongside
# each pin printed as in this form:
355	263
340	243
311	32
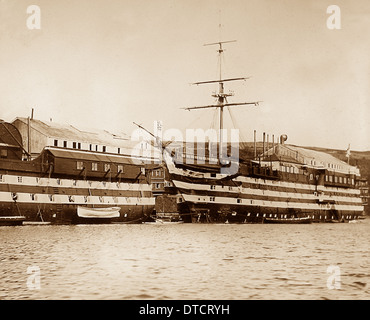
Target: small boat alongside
165	218
12	220
96	215
164	221
303	220
36	223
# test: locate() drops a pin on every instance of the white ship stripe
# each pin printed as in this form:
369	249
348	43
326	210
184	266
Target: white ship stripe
270	204
294	185
69	183
259	192
73	199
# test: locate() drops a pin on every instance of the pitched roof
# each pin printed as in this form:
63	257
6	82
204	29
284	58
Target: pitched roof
318	159
69	132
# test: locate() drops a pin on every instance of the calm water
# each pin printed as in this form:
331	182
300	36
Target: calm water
185	261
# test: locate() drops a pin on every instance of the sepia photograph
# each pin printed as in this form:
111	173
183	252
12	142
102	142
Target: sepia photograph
167	152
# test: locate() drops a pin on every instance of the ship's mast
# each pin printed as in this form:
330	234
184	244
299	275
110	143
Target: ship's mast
221	96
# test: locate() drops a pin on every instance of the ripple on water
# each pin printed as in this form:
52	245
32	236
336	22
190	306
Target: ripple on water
185	261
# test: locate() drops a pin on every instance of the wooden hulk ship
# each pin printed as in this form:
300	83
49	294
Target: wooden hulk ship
69	176
283	184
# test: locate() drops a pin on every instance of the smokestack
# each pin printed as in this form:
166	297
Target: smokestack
255	144
283	138
263	143
29	135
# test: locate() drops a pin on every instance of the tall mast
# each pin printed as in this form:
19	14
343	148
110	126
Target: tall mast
221	96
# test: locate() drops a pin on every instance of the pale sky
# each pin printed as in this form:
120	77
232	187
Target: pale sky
107	63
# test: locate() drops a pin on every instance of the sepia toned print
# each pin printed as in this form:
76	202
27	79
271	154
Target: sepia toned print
162	150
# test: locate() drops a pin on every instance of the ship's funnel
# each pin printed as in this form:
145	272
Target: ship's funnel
283	138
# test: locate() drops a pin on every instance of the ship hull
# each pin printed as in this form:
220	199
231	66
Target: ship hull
67	214
218	213
57	200
216	198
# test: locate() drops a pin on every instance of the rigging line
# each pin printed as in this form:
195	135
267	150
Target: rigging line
200	115
235	124
214	119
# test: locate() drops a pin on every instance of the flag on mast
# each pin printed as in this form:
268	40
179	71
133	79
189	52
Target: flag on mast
348	152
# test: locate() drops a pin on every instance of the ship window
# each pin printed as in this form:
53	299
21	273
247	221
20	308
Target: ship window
212	198
340	179
106	167
331	178
55	143
353	181
119	150
94	166
4	153
345	180
20	179
104	148
80	165
311	176
238	200
74	144
213	187
96	148
335	179
326	178
90	147
120	168
65	144
79	145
